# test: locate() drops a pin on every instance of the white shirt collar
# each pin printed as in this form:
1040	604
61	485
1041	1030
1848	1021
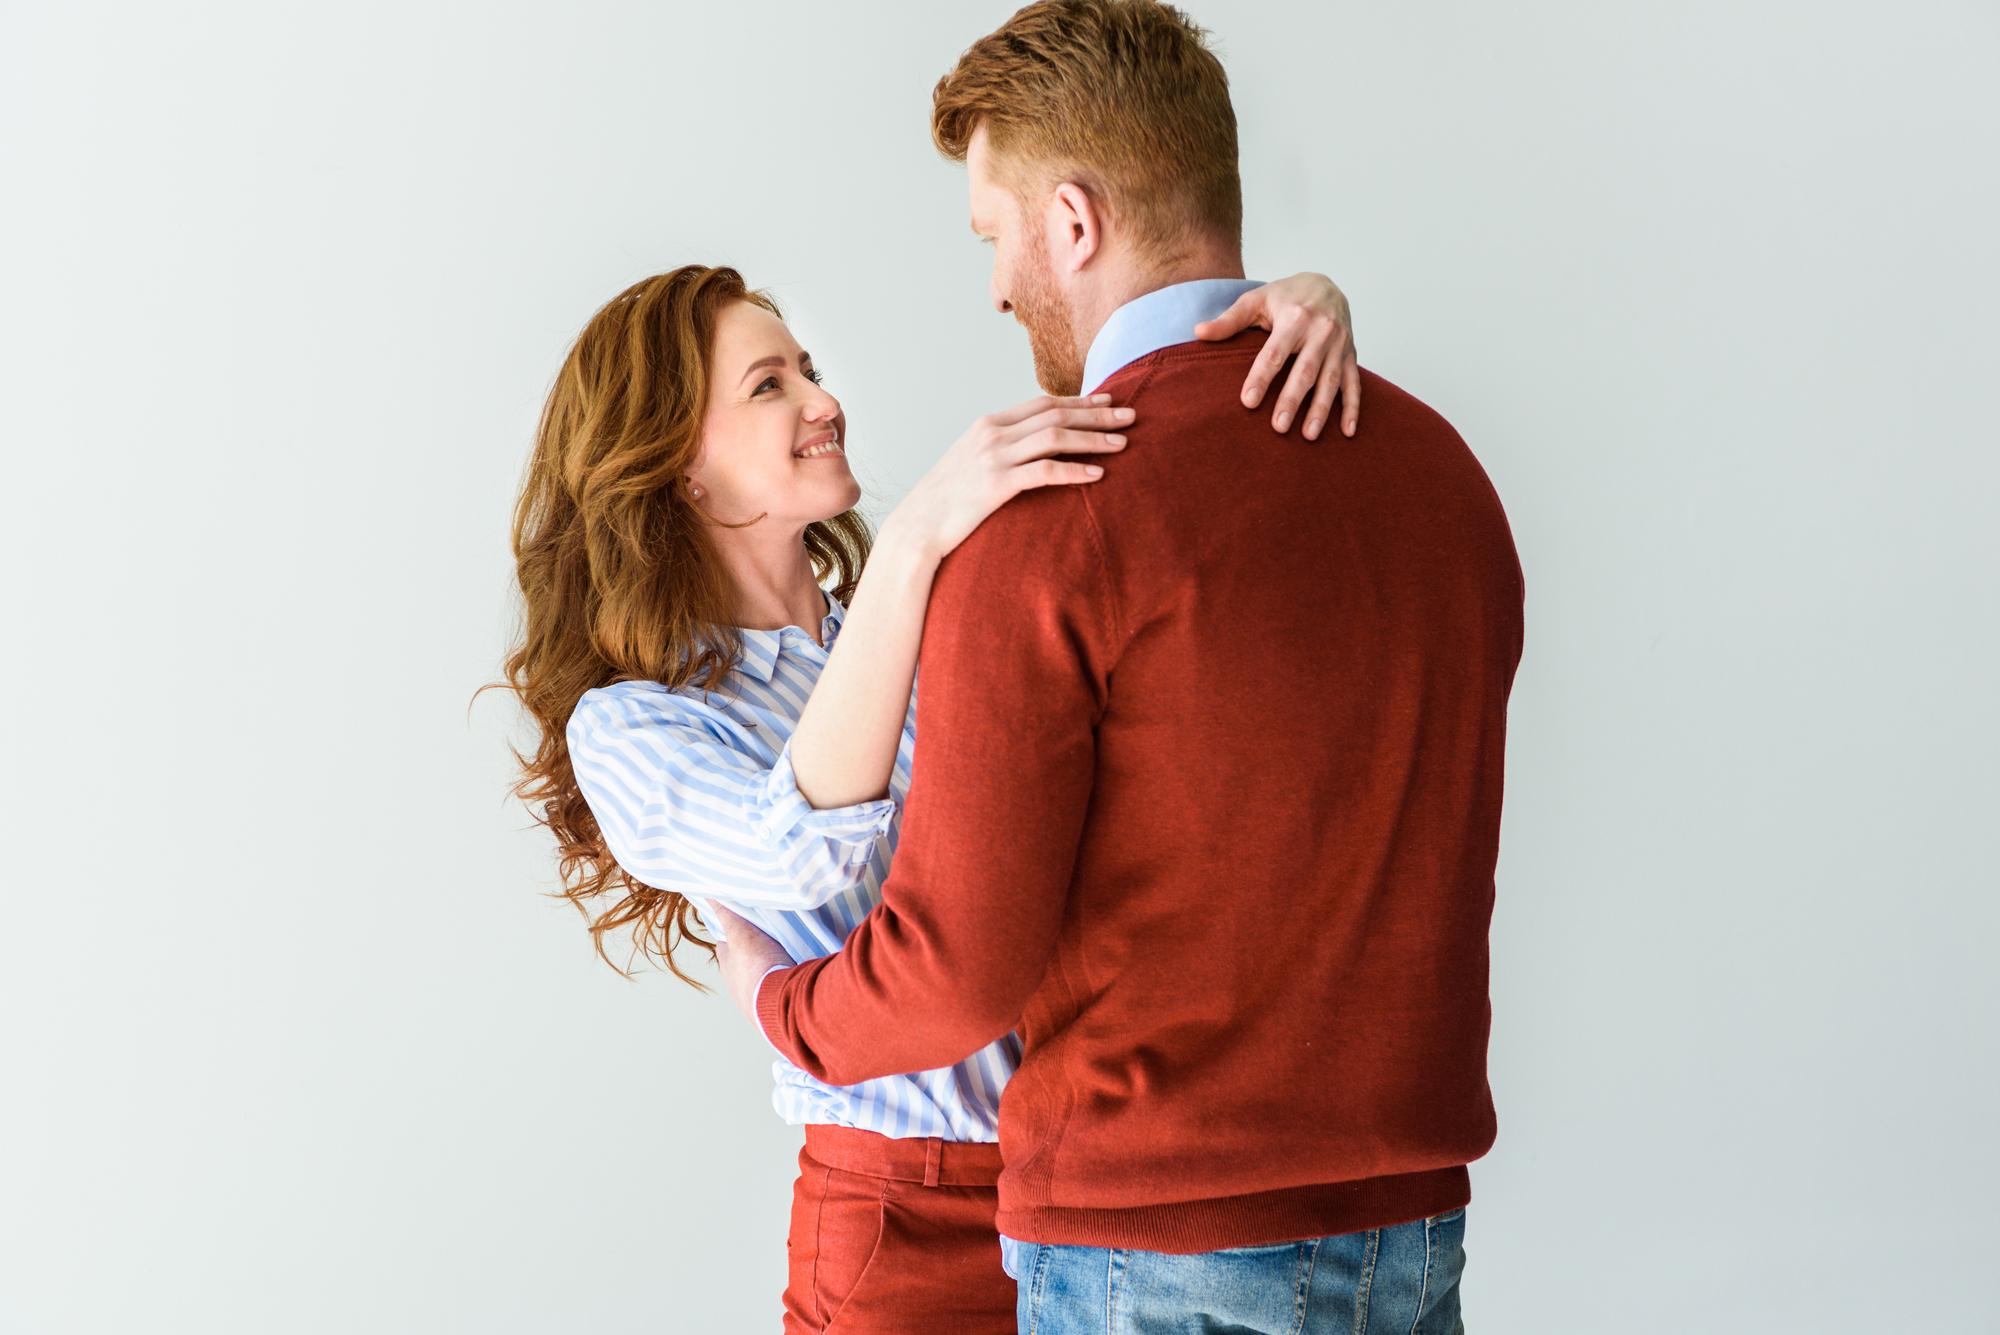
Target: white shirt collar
1160	319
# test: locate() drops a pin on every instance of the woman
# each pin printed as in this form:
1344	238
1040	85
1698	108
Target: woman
714	724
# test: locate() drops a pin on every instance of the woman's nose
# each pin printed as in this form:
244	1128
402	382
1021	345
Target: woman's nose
822	407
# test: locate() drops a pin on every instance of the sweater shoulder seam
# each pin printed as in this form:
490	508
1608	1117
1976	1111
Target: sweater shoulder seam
1114	603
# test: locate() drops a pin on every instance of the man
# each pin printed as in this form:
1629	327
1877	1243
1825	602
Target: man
1208	782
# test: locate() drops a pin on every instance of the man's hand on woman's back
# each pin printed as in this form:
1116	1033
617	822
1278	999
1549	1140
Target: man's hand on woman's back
745	955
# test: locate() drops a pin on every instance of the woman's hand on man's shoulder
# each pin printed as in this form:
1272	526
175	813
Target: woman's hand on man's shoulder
1307	315
999	457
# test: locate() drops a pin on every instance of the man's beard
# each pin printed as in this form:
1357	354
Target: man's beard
1043	310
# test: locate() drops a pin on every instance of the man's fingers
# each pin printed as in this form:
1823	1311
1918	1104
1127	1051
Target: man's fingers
748	938
1249	309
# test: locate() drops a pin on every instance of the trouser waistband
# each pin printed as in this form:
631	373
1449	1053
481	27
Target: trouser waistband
935	1162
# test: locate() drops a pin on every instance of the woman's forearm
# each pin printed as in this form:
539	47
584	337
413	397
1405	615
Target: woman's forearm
844	749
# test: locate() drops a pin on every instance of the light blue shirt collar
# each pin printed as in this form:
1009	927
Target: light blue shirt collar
762	647
1160	319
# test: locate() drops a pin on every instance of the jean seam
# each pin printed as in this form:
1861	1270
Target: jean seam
1035	1289
1367	1281
1424	1289
1301	1301
1113	1277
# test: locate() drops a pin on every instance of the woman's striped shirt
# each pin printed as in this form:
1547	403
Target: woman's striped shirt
694	792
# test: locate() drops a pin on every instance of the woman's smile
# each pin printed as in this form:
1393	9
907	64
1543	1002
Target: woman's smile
820	446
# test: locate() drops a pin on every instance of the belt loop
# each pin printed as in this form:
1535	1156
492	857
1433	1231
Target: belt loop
933	1156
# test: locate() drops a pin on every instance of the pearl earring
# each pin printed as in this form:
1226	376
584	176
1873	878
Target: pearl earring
697	491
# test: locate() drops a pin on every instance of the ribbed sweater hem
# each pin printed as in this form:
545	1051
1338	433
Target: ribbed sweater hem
1260	1219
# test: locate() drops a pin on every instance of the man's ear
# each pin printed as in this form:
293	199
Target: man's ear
1077	226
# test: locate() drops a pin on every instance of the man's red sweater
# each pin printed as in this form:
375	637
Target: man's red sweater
1207	804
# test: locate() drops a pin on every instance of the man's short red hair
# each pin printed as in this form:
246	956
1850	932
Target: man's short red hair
1123	97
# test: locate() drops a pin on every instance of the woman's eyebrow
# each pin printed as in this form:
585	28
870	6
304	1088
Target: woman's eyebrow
760	364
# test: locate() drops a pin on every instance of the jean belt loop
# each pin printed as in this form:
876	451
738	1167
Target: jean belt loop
933	1158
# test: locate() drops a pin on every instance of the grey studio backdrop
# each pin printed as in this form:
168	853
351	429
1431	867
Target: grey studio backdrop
291	1039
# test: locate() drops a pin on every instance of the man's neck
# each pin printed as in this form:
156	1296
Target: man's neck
1126	280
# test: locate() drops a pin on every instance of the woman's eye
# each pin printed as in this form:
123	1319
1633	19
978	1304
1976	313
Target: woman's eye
814	376
768	382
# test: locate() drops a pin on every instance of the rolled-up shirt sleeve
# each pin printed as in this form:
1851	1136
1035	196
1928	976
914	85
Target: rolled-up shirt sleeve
683	807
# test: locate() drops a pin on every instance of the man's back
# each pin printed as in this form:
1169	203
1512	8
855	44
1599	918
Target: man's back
1209	764
1273	967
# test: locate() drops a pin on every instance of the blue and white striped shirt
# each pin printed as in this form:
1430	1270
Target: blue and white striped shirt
694	792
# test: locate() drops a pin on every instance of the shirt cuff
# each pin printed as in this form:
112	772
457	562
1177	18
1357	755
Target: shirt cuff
781	816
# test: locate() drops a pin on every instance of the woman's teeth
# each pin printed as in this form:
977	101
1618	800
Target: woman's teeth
815	451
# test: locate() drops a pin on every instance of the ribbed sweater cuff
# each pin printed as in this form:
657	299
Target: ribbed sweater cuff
771	1012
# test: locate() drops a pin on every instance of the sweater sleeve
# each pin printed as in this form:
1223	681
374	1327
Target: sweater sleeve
1017	647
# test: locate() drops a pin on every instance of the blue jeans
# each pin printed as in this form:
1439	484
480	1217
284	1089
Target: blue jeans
1402	1280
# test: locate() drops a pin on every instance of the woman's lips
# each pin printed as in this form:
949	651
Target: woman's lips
819	449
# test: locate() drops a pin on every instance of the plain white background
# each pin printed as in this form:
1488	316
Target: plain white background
290	1039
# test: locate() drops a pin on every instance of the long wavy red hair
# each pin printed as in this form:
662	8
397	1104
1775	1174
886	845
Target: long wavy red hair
619	577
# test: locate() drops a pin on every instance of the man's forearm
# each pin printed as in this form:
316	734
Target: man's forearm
845	1022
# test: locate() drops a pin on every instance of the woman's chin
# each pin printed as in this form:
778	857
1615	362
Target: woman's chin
832	507
848	492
